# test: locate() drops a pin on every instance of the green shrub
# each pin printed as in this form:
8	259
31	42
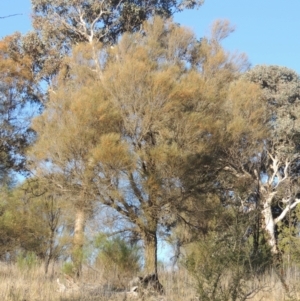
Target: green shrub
27	260
224	263
68	268
118	259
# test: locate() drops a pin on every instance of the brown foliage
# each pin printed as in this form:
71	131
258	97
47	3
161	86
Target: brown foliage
122	125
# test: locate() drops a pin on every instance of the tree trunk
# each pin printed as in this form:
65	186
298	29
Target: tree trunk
151	281
150	242
256	234
78	241
51	251
269	227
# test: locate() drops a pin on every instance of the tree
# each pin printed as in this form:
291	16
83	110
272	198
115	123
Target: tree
22	225
127	130
99	20
59	25
65	146
222	260
277	170
268	179
17	93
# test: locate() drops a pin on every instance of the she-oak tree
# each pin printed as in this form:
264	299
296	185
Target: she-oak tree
124	129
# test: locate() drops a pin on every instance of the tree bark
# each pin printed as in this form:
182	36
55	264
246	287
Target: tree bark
150	243
269	227
78	241
151	281
51	251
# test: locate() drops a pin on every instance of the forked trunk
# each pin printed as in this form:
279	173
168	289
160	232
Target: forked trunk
78	241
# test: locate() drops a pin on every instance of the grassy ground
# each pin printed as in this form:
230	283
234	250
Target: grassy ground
32	285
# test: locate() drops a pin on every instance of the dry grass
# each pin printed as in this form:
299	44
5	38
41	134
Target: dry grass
33	285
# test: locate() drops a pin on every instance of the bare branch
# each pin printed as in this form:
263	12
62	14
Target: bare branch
287	200
236	173
285	173
286	210
8	16
274	166
135	188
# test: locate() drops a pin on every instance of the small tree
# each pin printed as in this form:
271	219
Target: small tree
223	262
22	226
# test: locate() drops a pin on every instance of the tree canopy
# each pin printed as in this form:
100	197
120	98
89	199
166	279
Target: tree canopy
129	129
99	20
17	93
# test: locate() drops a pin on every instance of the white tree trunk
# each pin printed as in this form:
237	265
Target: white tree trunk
269	227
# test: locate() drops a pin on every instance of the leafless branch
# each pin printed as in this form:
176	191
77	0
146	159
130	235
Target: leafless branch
8	16
286	210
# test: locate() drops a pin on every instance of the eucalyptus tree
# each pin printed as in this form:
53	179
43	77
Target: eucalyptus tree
99	20
277	171
268	179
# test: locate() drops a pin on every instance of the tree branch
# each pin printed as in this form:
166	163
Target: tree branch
8	16
274	166
286	210
135	188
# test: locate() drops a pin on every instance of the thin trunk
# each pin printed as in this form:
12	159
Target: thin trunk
256	234
78	241
51	251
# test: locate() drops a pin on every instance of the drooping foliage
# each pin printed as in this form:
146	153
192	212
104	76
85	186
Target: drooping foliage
140	128
59	25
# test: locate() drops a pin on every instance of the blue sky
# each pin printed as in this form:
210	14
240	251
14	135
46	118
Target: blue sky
268	31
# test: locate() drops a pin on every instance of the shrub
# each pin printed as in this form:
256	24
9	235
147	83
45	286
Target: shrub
27	260
118	259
